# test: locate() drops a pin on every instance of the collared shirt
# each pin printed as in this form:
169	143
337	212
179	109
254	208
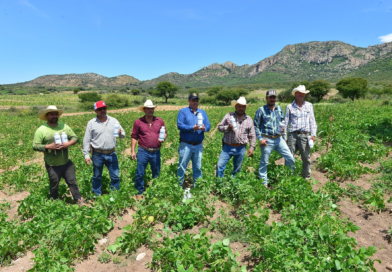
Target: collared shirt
147	134
300	118
100	135
267	121
245	130
186	120
44	135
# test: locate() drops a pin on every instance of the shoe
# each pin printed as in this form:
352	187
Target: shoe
266	186
81	202
139	197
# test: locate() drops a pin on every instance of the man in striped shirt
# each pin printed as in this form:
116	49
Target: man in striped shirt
300	117
236	138
266	123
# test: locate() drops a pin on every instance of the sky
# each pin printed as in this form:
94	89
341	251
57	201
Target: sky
146	39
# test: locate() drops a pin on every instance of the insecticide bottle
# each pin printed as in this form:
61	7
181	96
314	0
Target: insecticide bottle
311	143
199	120
64	137
187	194
281	127
162	134
57	138
233	122
116	128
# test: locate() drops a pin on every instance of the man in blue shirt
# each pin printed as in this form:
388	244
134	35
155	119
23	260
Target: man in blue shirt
266	123
191	138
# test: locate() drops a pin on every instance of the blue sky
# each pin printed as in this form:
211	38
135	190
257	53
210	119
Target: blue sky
146	39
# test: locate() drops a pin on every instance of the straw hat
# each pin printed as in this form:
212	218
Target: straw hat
147	104
42	113
301	89
241	101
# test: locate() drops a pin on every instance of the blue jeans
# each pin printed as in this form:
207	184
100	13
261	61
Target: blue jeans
238	154
190	152
281	147
143	158
111	162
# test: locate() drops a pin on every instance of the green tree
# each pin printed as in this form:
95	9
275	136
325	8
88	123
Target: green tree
165	89
76	90
319	88
214	90
90	97
194	91
354	87
123	90
227	95
135	91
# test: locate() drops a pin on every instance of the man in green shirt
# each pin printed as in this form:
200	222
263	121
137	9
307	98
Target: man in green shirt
56	158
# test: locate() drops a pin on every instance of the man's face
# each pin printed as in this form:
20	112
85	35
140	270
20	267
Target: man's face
271	100
240	109
101	112
193	103
149	112
53	117
299	96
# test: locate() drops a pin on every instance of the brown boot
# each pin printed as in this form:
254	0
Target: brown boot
139	197
81	202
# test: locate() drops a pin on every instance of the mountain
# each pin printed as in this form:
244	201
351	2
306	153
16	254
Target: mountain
330	60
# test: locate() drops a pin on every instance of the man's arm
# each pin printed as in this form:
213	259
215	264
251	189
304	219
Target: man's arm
133	146
37	142
72	138
252	137
207	124
286	122
86	142
313	124
181	122
223	125
256	122
122	132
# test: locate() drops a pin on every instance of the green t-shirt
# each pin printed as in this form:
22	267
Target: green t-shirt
45	135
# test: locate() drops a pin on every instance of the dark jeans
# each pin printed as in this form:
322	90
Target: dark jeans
67	171
111	162
143	158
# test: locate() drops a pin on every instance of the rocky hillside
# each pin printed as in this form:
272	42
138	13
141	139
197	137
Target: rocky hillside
312	60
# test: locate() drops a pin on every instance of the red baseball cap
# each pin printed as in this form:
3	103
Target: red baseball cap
99	104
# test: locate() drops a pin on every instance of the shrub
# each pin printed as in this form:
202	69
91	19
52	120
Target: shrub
214	90
285	96
354	87
90	97
123	90
76	90
227	95
135	91
117	101
208	100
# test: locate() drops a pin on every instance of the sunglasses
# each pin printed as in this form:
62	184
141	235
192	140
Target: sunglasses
100	109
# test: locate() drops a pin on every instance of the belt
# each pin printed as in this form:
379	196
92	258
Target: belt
149	149
236	145
103	151
271	137
301	132
191	143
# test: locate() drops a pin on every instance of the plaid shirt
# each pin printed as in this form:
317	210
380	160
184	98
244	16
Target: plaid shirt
245	131
267	121
300	119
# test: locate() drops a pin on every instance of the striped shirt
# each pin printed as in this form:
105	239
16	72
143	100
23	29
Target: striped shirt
300	118
100	135
267	121
245	131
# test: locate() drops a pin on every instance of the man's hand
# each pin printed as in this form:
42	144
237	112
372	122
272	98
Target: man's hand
250	153
263	142
66	145
231	127
196	127
283	129
203	128
88	161
313	138
133	155
54	146
119	131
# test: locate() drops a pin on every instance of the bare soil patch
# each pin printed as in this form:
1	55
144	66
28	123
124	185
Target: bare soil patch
13	200
22	264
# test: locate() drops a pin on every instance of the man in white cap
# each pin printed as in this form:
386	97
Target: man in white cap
99	138
300	117
146	132
238	130
56	159
267	120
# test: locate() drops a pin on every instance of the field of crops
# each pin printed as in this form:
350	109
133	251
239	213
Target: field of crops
236	225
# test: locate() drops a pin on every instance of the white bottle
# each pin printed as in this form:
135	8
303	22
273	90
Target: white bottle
162	134
187	194
233	122
64	137
311	143
281	127
116	128
199	120
57	138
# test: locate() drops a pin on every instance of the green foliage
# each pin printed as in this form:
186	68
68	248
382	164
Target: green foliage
89	97
135	92
76	90
165	89
354	87
104	257
319	88
123	90
207	100
228	95
196	91
214	90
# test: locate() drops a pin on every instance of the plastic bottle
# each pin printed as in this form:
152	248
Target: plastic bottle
187	194
311	143
233	122
162	134
281	127
199	120
116	128
57	138
64	137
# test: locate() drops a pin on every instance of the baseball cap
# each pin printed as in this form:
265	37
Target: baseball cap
99	104
193	96
271	92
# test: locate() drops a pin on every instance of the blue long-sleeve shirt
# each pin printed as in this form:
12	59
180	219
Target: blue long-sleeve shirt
266	121
186	120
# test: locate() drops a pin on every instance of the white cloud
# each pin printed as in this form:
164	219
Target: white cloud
386	38
27	4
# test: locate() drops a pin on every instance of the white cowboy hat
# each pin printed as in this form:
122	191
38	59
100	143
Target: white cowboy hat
241	101
301	89
42	113
147	104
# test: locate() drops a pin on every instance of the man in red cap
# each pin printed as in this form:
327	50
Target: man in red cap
100	138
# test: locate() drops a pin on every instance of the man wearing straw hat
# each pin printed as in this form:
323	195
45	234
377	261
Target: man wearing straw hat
99	138
56	159
266	123
300	117
236	138
146	132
